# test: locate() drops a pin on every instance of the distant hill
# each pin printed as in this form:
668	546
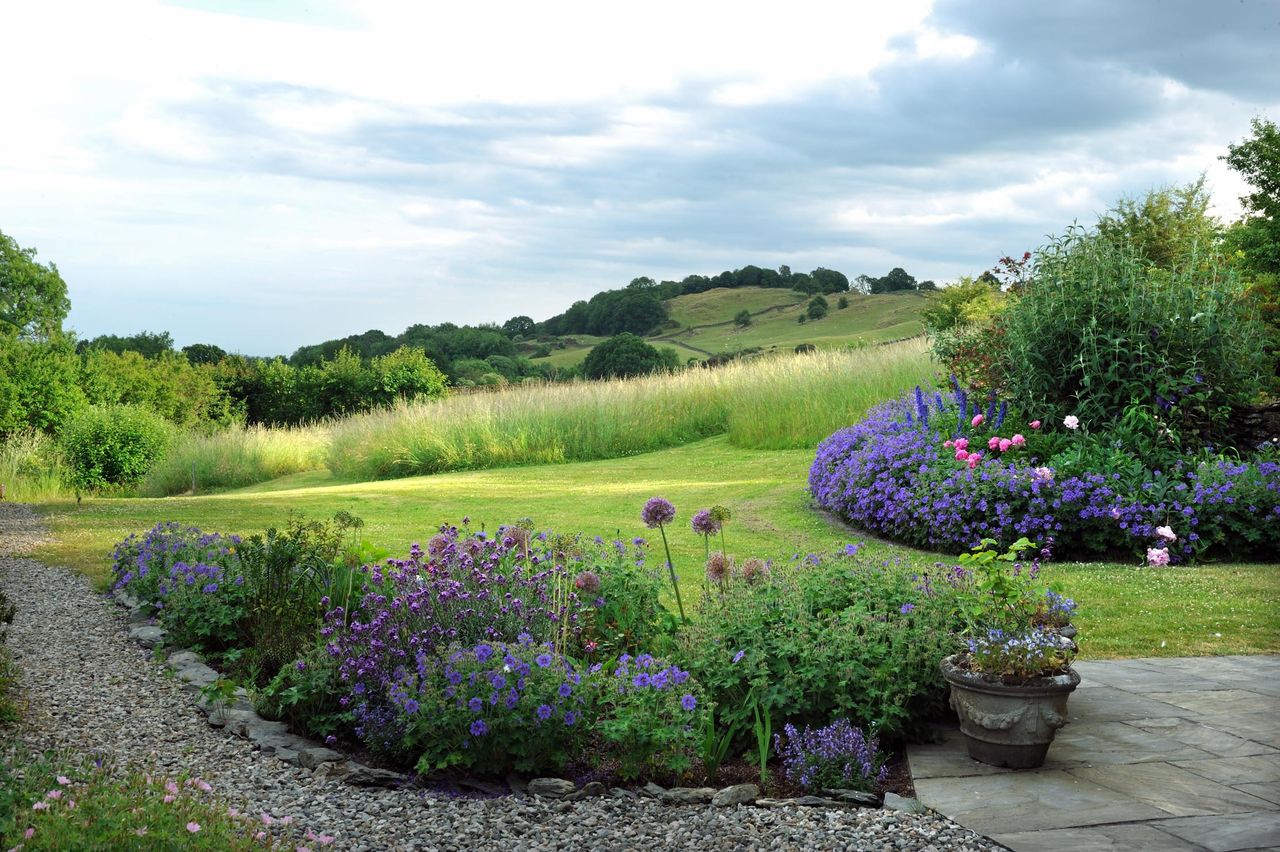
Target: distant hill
701	325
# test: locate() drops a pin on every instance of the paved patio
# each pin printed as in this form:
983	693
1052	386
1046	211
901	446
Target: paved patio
1160	754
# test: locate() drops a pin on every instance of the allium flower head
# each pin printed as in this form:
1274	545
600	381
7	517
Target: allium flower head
703	523
437	544
657	512
754	570
720	513
718	567
587	581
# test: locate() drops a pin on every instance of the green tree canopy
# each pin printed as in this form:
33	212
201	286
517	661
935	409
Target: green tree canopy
1257	160
33	296
625	355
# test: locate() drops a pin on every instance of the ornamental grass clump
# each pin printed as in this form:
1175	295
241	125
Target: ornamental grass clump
835	757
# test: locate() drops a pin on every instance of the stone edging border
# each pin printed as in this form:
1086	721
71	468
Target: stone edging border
238	718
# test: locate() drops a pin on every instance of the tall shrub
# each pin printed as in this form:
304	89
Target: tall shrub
1099	329
112	445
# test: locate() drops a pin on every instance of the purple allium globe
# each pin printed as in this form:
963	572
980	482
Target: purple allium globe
657	512
704	524
718	567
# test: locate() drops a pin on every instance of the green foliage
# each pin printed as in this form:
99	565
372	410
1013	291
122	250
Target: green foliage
305	695
966	302
165	383
1099	329
897	280
817	308
632	618
212	622
33	296
819	641
1257	160
112	445
287	572
621	356
650	731
204	353
145	343
842	302
115	807
1164	227
38	388
742	318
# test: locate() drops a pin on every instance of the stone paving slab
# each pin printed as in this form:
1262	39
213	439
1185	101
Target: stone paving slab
1178	754
1101	838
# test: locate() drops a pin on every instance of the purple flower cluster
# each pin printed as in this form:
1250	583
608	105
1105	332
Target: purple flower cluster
1031	653
838	756
657	512
169	554
468	590
892	475
644	672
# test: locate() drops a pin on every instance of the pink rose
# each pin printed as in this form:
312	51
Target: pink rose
1017	441
948	443
974	459
993	443
962	443
977	420
1034	424
1157	556
1005	444
962	455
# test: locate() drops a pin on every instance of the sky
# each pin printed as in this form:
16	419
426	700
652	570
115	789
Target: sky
264	175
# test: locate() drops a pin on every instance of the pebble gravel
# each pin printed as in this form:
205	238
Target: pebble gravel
89	689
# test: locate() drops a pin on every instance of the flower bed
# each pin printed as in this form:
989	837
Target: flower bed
934	471
533	652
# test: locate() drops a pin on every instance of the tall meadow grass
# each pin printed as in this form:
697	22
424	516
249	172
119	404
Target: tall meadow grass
235	457
770	403
32	468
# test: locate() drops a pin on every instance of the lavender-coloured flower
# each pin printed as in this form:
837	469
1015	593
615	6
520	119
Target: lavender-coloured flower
704	524
657	512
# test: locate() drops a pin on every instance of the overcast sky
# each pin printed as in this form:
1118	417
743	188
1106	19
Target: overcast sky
262	175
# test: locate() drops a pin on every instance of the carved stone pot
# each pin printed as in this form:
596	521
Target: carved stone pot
1008	724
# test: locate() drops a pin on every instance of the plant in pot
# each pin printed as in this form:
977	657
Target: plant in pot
1010	686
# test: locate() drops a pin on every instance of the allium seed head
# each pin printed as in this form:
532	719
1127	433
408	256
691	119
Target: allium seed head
718	567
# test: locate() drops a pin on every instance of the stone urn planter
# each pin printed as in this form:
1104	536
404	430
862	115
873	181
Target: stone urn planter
1008	724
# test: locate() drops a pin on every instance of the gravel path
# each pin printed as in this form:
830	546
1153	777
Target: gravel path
91	690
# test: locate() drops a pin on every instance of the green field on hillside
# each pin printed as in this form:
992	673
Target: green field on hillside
1125	610
702	323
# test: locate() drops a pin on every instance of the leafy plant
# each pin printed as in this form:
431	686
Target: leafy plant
112	445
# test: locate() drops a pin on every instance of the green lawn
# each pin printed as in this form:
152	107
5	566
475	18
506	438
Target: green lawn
1125	610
